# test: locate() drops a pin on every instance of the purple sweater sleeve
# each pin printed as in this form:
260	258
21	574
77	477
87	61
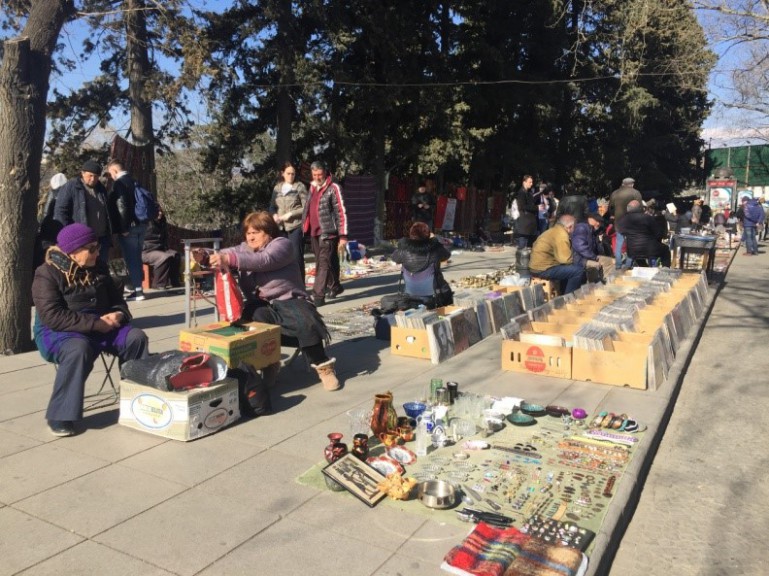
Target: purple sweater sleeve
276	255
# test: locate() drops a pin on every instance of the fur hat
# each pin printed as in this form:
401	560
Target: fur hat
74	236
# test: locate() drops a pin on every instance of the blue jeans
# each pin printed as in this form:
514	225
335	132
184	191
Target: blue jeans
618	244
570	276
751	243
132	245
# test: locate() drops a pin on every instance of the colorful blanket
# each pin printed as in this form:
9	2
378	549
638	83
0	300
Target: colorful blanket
491	551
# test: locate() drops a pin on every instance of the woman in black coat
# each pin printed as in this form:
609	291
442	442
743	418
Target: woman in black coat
528	209
421	257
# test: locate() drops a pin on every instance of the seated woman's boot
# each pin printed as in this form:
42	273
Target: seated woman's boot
327	374
270	374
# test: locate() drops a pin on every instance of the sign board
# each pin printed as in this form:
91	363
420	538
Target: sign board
721	194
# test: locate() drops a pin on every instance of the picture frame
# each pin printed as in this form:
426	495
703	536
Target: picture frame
356	477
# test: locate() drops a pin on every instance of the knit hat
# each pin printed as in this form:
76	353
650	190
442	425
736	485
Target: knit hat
595	216
91	166
74	236
58	180
628	182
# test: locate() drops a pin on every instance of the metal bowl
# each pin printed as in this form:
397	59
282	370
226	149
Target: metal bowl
437	494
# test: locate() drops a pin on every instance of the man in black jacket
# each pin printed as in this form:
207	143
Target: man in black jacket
130	231
642	234
84	200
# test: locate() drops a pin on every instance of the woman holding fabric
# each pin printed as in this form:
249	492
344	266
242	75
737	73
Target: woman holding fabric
269	278
80	312
287	206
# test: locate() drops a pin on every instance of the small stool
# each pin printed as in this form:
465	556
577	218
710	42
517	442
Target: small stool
147	279
552	288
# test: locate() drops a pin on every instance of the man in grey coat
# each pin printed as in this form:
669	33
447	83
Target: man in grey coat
618	202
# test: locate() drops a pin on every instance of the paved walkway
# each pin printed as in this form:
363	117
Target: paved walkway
704	510
117	501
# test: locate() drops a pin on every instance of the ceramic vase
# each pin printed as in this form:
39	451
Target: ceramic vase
333	452
336	449
384	417
360	447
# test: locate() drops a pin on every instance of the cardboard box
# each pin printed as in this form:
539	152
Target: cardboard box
258	345
413	342
625	366
551	287
535	359
179	415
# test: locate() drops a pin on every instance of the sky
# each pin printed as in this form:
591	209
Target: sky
722	128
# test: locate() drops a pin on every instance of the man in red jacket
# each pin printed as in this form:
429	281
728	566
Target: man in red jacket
325	222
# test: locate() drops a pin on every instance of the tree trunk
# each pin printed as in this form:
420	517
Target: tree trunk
138	72
286	63
24	76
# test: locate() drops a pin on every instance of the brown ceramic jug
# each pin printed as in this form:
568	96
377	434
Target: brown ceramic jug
384	418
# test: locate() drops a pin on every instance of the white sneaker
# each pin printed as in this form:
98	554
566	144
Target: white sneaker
138	296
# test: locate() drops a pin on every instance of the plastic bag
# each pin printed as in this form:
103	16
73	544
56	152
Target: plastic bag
229	298
175	370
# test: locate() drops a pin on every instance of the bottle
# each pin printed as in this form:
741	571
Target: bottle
423	437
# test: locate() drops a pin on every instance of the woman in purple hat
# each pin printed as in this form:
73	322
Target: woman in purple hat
80	312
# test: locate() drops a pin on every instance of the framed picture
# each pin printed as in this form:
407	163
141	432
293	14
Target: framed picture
356	477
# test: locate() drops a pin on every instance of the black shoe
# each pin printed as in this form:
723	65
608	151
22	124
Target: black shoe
318	301
334	293
61	428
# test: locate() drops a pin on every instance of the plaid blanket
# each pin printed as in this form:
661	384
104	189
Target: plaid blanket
491	551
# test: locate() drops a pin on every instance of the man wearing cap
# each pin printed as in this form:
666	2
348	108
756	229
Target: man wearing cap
618	202
84	200
80	312
585	241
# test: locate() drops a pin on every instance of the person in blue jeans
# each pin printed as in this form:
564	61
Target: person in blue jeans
126	225
551	256
753	218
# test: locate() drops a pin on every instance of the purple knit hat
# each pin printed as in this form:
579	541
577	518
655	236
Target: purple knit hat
74	236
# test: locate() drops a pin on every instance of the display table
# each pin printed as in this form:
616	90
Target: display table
694	253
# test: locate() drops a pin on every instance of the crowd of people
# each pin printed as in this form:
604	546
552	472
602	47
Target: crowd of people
82	311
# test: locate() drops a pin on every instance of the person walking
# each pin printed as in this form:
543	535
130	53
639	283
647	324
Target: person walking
325	222
287	207
618	202
84	200
130	229
753	217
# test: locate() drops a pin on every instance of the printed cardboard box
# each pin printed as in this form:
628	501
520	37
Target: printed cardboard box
185	416
413	342
538	359
254	343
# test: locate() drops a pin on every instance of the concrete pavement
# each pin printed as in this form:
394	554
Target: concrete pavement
115	500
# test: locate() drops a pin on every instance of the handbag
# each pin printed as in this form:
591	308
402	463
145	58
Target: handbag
229	298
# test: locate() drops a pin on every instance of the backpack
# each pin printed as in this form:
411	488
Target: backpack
146	206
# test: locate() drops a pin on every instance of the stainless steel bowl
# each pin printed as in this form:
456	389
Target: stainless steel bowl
437	494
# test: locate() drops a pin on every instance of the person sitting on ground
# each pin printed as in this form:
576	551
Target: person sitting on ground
165	262
80	312
551	256
269	277
420	256
643	235
586	245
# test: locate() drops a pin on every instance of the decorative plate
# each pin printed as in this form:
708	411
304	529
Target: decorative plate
385	465
556	411
521	419
402	454
533	409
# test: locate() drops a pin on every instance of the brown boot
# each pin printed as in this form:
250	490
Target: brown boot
270	374
327	374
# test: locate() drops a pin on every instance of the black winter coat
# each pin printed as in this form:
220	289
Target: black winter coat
528	209
418	255
641	234
73	302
